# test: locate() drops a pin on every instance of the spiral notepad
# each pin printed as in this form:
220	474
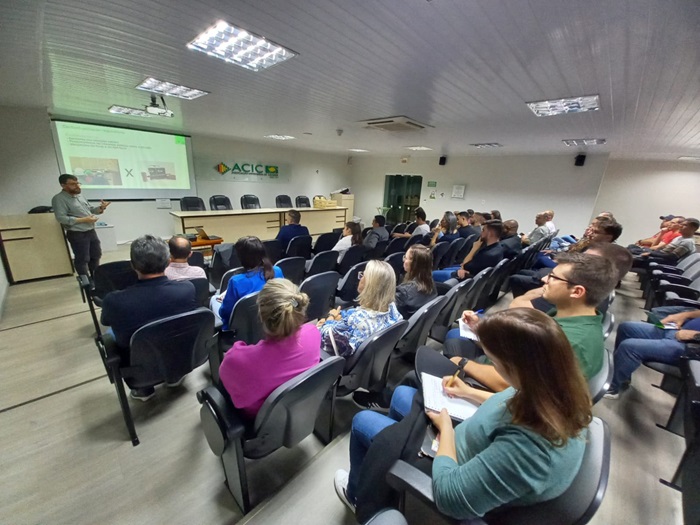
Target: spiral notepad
434	398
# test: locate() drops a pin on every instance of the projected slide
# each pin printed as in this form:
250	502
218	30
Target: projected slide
105	158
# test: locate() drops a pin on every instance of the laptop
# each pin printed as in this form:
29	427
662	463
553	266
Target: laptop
203	235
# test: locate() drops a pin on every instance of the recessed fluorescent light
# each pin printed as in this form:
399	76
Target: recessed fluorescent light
240	47
419	148
358	150
168	88
584	142
548	108
134	112
485	145
279	137
689	158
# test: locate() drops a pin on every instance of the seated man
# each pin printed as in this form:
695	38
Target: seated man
510	241
153	297
549	215
422	227
539	232
637	342
650	241
678	247
291	229
466	226
178	269
378	232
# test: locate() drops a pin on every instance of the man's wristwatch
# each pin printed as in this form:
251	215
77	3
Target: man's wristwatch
462	363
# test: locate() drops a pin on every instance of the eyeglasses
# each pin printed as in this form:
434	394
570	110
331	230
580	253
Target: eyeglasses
557	278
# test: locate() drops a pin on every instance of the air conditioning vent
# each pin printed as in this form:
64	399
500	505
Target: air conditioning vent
400	123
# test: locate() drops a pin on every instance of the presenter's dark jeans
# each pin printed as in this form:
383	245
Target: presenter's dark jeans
86	249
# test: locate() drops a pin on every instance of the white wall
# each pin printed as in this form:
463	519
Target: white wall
638	192
518	186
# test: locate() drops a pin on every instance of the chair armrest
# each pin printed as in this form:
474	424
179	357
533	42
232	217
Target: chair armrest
406	478
675	279
665	268
230	422
677	301
684	291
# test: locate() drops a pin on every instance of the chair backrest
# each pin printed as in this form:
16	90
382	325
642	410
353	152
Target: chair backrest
413	239
434	223
448	259
608	324
411	227
347	287
365	231
352	257
302	201
399	228
419	325
368	366
169	348
465	248
455	297
600	382
283	201
293	268
192	204
472	296
494	282
227	277
113	276
395	246
289	413
274	250
249	202
378	251
325	242
244	322
201	287
692	272
438	251
220	202
581	500
688	261
323	262
396	262
196	258
299	246
321	290
224	258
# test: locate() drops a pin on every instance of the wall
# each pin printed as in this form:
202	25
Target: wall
638	192
518	186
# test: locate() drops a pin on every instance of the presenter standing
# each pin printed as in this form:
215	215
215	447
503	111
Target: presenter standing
78	218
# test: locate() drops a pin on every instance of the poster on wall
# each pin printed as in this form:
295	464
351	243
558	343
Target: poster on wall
458	191
247	171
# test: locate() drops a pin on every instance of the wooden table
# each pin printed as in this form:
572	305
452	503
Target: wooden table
264	223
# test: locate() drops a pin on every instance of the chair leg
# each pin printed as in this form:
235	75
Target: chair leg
236	477
675	482
670	384
675	419
214	359
323	427
124	404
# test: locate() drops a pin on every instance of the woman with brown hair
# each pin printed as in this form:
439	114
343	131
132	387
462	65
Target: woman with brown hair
352	236
522	446
418	287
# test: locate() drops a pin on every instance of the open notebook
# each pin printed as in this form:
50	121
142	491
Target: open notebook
434	398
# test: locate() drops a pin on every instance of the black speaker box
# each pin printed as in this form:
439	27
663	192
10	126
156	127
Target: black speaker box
443	160
580	160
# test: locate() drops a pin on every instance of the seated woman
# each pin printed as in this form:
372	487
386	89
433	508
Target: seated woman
418	287
522	446
251	372
258	270
376	311
446	231
352	236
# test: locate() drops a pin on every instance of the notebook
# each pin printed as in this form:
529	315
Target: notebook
434	398
465	331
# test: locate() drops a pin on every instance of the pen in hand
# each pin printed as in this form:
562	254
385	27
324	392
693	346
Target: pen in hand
452	379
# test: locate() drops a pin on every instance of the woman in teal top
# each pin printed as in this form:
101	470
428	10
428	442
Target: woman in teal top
522	446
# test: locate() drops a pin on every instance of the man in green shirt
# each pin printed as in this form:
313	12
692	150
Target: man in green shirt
78	218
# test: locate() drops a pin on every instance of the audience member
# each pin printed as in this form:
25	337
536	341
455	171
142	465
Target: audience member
153	297
678	247
486	252
522	446
510	240
549	216
251	372
377	233
178	269
670	230
663	229
496	215
446	231
422	227
418	287
352	236
258	270
466	228
345	330
540	231
291	229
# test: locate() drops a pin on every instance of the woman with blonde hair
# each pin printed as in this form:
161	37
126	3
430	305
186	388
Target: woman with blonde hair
418	287
251	372
346	330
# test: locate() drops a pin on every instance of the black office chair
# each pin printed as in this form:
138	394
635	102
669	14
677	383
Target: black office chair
366	231
448	259
302	201
438	251
396	262
112	276
598	384
244	325
352	257
413	239
299	246
321	290
286	417
325	242
192	204
347	287
220	202
451	311
283	201
399	228
161	351
196	259
293	268
411	227
322	262
223	285
274	250
434	223
395	246
249	202
378	251
465	249
418	328
202	291
223	258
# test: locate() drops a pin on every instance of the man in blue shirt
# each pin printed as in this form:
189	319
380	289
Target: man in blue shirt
291	229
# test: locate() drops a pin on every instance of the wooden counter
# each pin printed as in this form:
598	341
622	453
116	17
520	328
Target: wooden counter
264	223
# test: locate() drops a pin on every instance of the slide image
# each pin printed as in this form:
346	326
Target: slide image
96	172
159	171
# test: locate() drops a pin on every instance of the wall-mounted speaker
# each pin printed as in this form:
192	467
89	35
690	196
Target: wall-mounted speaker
580	160
443	160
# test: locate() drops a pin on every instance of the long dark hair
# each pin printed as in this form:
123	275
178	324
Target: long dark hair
355	232
251	252
421	269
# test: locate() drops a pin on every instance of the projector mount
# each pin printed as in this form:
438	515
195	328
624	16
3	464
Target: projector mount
155	109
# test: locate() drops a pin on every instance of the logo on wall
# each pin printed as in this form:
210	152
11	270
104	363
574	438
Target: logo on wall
222	168
247	168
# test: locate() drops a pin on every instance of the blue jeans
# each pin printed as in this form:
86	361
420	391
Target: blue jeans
440	276
367	424
637	342
544	261
665	311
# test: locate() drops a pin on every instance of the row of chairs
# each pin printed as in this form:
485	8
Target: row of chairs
248	202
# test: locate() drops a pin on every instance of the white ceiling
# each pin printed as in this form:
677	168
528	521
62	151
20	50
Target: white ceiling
465	67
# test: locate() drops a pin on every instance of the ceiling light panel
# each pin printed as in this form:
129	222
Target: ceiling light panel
585	142
419	148
168	88
280	137
487	145
695	159
548	108
240	47
358	150
134	112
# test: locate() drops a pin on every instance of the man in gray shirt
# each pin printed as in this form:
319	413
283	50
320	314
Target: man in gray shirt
377	233
78	218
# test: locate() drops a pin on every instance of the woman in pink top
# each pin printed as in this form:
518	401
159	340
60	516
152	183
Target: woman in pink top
251	372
